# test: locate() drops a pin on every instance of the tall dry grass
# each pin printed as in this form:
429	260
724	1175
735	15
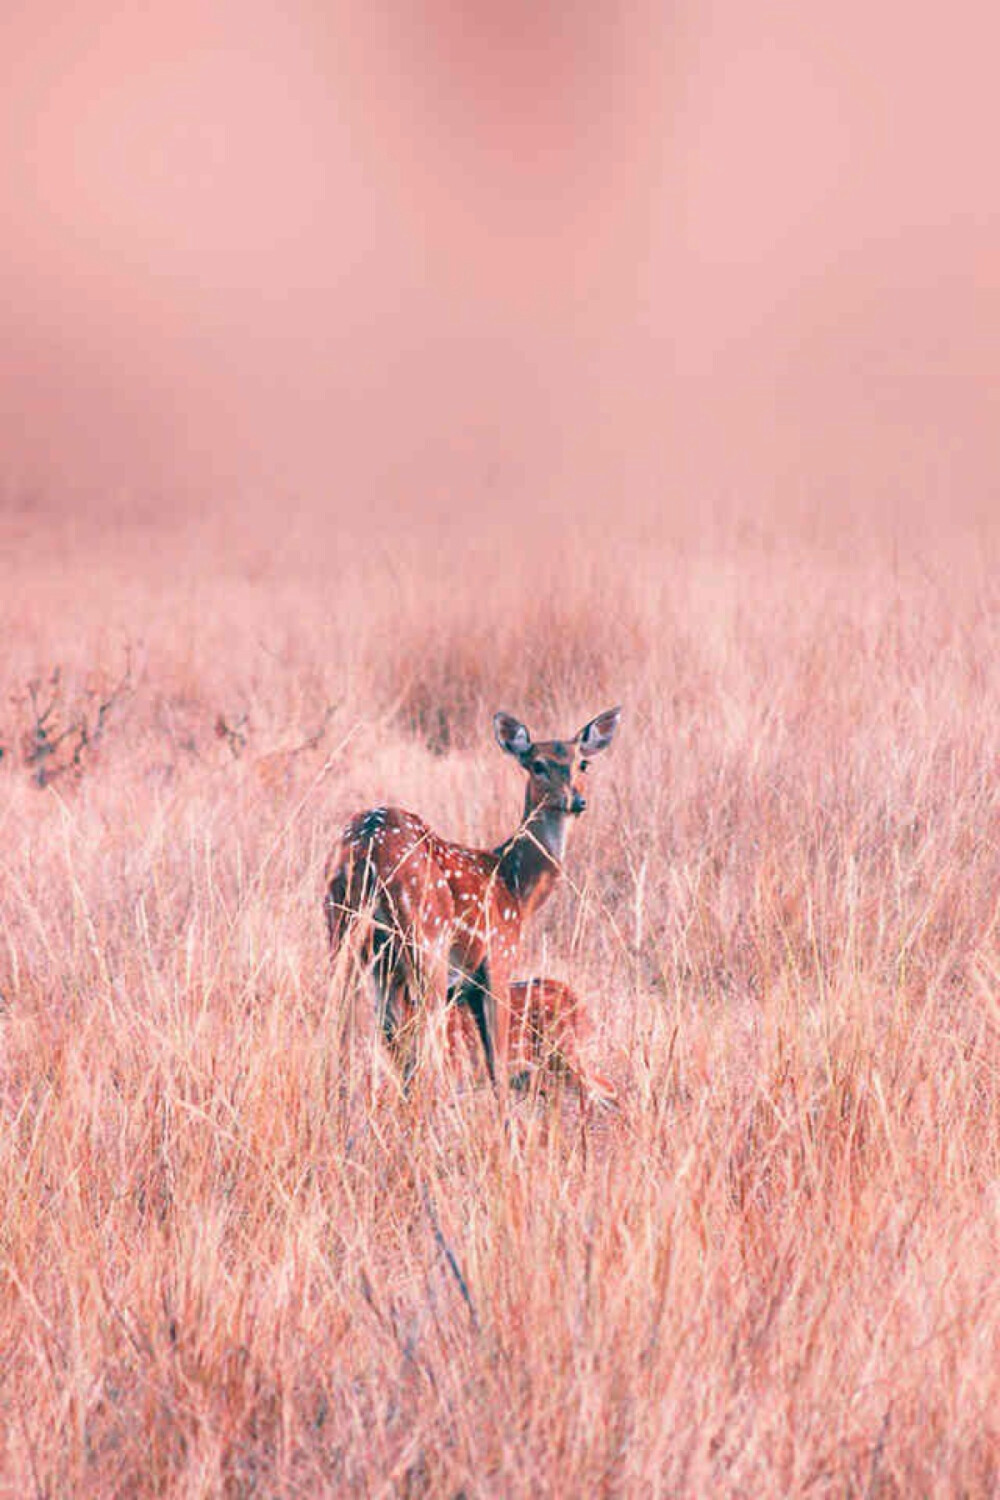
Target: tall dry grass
233	1262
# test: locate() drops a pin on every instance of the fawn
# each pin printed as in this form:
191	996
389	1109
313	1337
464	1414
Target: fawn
550	1035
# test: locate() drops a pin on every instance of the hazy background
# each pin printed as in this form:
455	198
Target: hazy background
534	254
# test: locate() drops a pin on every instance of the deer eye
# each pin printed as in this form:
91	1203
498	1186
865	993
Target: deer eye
539	768
584	764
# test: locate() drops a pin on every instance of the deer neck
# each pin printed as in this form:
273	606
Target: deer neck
531	861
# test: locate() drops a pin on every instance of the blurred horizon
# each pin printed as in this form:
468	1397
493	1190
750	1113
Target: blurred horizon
519	261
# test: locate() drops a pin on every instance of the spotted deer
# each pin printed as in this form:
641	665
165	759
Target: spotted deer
438	922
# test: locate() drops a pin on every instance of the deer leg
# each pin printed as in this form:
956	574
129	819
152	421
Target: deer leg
398	1021
474	992
336	911
393	1012
498	985
491	1010
385	986
427	993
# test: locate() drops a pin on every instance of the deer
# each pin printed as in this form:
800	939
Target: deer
438	923
550	1036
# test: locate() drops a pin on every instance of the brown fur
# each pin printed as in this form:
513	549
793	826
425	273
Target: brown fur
550	1033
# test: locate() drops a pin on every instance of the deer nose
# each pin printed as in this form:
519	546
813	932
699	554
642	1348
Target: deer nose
577	803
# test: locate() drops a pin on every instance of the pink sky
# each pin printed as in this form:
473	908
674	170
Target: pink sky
521	254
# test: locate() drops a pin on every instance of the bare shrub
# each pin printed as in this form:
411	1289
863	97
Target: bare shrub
63	734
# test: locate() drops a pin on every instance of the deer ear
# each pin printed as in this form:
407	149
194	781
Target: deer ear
598	734
511	735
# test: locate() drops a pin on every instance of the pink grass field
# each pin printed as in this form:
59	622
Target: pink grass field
233	1261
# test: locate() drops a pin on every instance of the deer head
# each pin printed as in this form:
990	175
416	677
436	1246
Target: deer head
556	769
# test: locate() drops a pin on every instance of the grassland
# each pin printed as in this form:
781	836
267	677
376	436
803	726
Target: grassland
233	1262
